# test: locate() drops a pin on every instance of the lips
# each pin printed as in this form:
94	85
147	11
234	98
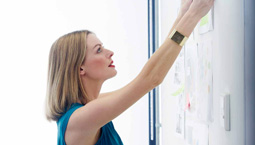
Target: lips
111	64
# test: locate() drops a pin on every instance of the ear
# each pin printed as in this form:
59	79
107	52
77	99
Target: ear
82	70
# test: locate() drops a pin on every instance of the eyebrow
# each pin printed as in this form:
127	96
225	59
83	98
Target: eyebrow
97	45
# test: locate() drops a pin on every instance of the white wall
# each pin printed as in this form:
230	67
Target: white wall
228	72
27	30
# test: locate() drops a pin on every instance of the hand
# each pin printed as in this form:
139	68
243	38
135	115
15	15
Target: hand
185	4
201	7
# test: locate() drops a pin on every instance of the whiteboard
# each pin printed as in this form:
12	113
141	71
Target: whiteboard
213	66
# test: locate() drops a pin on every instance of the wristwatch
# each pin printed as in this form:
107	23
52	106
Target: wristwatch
178	37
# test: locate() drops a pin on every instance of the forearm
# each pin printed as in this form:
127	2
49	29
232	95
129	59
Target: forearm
161	61
179	17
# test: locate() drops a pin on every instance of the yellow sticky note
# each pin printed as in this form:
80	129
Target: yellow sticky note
204	20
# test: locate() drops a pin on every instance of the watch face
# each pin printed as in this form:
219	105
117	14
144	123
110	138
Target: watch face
177	37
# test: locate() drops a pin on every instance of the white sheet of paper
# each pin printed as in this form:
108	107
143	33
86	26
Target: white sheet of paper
200	134
205	76
179	81
206	23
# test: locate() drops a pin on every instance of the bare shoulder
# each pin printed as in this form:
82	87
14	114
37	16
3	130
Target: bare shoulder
79	131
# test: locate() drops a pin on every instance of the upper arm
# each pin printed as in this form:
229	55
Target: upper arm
105	94
107	106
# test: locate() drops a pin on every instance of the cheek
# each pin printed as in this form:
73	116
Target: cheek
96	63
96	66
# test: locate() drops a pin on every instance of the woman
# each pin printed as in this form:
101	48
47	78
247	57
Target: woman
79	65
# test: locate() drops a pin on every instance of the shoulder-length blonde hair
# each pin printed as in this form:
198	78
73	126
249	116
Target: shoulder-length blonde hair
64	83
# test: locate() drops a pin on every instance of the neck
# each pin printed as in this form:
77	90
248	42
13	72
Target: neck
92	87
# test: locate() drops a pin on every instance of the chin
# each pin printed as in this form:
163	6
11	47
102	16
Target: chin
113	74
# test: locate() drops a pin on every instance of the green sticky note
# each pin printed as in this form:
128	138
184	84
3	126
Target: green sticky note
204	20
179	91
209	65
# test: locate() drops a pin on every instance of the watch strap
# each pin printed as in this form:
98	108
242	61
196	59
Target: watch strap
178	37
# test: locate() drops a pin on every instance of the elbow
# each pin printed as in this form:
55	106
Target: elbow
156	80
150	80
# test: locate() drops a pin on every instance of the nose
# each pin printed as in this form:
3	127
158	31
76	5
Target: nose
110	54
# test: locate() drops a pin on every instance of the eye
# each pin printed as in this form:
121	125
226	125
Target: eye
99	50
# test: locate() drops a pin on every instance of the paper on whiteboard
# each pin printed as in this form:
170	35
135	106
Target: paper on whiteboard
191	78
206	23
200	134
205	81
179	81
197	133
198	81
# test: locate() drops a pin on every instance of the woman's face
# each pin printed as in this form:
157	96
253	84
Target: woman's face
98	62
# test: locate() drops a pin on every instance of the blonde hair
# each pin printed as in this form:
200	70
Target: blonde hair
64	83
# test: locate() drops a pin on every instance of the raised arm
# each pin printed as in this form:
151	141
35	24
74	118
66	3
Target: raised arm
185	4
100	111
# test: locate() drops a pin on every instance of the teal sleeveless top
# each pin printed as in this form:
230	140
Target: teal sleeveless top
108	136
